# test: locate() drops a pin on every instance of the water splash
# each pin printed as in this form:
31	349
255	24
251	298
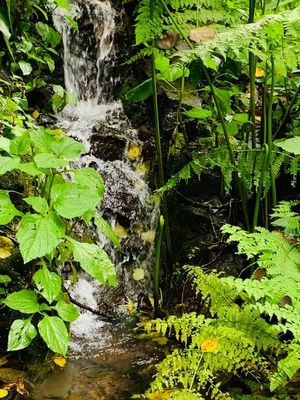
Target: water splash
99	121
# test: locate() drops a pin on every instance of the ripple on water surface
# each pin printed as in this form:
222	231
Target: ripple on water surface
120	370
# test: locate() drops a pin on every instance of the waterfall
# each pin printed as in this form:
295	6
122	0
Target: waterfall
114	149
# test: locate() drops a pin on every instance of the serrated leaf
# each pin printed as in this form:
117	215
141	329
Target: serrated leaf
67	148
66	311
24	301
39	235
8	164
94	261
73	200
49	160
7	210
55	334
48	283
39	204
106	229
90	177
21	334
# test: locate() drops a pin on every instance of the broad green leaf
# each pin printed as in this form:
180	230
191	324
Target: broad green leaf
24	301
30	168
39	204
3	28
66	311
48	283
223	97
7	210
4	144
199	113
49	160
140	92
55	334
73	200
94	261
8	164
26	67
20	145
67	148
41	139
5	279
48	34
63	4
21	334
290	145
50	62
59	90
90	177
106	229
38	235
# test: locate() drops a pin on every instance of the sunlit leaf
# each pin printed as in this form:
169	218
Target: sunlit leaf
21	334
55	334
24	301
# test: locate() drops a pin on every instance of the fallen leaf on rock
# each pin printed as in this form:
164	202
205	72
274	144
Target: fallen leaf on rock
202	34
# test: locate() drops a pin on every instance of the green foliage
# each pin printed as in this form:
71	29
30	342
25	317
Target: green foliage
246	332
211	74
46	231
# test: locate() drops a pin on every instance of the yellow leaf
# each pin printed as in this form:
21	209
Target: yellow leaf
3	393
148	236
202	34
259	72
6	246
120	231
134	151
138	274
60	361
3	361
35	114
209	345
143	168
160	395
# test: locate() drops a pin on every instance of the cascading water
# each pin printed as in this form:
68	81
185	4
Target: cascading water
114	149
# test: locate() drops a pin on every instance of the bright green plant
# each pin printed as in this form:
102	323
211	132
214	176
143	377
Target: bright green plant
251	43
253	328
48	218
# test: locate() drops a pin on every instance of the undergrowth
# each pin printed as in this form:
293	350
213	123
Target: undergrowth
252	332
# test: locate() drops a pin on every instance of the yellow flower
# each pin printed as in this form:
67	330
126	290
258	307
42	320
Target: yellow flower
259	72
209	345
134	151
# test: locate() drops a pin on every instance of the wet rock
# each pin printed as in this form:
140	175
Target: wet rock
107	147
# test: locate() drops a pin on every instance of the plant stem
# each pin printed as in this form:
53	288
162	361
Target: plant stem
219	112
265	148
161	179
157	264
287	113
252	68
269	131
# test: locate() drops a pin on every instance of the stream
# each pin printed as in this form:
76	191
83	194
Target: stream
105	361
